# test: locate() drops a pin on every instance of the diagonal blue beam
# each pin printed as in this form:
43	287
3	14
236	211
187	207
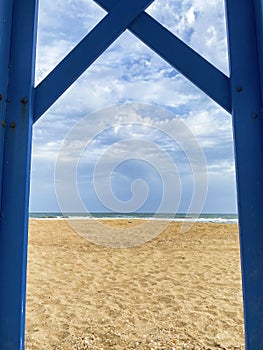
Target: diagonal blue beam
86	52
179	55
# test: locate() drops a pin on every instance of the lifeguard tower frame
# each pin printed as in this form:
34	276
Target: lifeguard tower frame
21	104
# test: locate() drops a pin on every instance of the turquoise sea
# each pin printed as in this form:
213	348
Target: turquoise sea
217	218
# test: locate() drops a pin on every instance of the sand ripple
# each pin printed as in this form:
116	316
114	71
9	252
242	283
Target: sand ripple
178	291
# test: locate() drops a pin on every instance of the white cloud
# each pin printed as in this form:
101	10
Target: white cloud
62	24
200	23
211	127
130	72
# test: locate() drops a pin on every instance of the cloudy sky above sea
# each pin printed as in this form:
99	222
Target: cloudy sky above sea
132	134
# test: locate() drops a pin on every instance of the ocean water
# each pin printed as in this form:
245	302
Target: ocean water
216	218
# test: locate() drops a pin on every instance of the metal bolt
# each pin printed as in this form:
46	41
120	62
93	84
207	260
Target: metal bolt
3	123
254	115
24	100
239	89
12	125
1	97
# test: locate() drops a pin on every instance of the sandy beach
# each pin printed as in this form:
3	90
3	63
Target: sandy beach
175	291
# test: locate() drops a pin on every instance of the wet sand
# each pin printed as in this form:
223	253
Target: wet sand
176	291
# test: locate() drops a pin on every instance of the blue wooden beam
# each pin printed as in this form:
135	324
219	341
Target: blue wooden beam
18	37
192	65
86	52
246	87
179	55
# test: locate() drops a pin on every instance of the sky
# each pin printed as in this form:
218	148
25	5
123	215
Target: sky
132	134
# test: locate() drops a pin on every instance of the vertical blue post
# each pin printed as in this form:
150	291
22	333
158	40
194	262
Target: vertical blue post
248	138
17	60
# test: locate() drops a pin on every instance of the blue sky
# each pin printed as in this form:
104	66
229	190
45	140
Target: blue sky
114	133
